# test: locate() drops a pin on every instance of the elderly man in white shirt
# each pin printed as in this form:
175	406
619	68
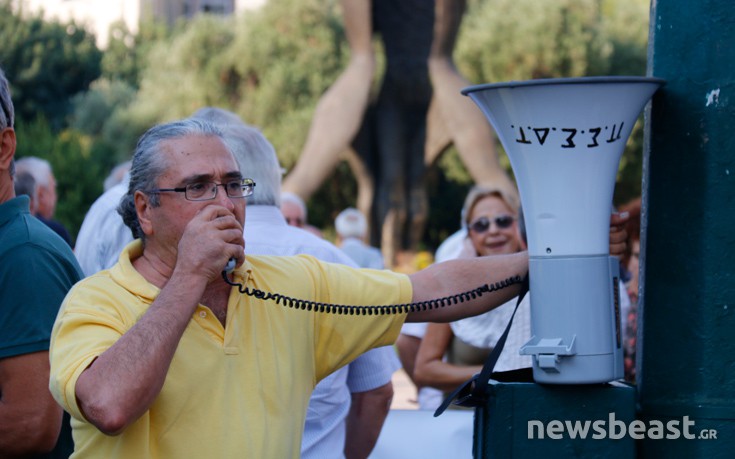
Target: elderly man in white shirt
103	234
347	409
351	227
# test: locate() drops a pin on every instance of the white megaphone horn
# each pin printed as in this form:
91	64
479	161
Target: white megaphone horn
564	138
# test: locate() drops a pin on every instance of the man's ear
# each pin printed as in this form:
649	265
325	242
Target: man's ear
7	147
143	208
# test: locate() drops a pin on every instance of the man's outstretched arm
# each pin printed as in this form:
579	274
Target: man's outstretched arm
457	276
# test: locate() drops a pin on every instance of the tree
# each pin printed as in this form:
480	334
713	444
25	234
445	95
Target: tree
126	53
78	173
47	63
504	40
100	113
269	66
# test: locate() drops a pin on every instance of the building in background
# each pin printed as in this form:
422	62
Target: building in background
99	15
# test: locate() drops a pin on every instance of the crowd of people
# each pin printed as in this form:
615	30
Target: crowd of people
137	344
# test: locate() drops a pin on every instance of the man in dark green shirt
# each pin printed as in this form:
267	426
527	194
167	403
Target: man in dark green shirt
37	270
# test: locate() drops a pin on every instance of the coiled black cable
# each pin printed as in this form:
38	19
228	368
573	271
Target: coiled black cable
309	305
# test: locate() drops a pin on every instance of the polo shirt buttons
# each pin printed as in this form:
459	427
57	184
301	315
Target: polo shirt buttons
202	314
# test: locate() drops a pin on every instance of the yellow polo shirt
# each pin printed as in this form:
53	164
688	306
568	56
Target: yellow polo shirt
234	392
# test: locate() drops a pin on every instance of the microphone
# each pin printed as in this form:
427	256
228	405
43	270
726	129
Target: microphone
230	266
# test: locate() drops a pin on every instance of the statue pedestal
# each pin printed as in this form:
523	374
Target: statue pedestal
522	420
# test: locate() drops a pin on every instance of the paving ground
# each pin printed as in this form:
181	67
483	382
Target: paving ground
413	433
404	397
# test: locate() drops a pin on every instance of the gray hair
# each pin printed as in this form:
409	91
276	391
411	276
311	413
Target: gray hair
218	116
7	111
148	164
25	184
117	174
295	199
254	154
39	168
350	223
478	192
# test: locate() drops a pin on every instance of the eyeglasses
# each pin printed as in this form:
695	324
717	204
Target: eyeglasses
206	191
482	224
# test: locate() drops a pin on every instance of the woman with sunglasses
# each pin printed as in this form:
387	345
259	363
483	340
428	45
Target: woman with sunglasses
450	354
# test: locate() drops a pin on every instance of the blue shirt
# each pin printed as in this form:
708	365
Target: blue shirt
364	255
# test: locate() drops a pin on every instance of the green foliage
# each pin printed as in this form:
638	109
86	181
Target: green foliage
100	113
79	173
121	60
270	66
127	53
47	63
94	107
505	40
288	55
183	73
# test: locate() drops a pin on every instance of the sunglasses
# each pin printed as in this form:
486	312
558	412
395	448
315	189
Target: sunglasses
482	224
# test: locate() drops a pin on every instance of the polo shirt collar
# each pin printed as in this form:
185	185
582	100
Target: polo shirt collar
128	277
11	208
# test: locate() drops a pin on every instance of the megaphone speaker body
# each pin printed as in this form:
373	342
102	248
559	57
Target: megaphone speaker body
564	139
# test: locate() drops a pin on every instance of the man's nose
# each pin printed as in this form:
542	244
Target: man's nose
223	198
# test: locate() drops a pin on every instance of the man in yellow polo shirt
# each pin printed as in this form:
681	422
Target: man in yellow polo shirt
159	357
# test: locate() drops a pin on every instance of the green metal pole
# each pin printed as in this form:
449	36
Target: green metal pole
687	328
